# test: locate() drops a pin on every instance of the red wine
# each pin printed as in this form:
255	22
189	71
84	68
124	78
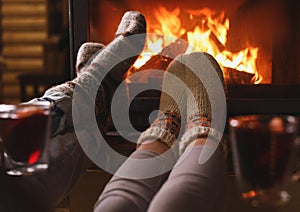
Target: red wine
263	156
23	135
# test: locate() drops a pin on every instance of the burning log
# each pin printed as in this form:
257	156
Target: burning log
165	57
161	60
233	76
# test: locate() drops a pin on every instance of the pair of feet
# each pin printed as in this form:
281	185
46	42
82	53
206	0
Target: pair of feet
192	98
100	69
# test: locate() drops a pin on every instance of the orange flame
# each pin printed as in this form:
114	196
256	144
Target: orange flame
209	35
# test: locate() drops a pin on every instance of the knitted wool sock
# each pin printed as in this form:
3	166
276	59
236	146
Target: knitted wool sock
199	112
60	95
166	126
88	81
115	59
131	23
86	53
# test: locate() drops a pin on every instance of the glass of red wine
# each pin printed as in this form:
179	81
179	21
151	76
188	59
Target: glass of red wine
24	136
263	147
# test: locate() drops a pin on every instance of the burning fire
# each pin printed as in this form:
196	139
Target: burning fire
208	35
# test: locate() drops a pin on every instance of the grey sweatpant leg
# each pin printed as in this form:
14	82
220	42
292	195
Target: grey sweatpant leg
134	195
190	187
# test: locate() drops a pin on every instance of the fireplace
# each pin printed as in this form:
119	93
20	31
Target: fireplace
266	33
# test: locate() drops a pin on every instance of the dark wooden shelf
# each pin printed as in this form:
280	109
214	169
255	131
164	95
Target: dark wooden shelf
38	80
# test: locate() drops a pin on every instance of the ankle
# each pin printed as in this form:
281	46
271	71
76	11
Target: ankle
155	146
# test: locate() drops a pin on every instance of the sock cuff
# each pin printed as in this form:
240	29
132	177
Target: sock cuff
164	128
197	132
154	133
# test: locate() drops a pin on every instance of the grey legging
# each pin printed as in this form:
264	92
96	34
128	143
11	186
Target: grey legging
189	187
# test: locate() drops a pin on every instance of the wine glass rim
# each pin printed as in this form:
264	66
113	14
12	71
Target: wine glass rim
239	119
9	107
14	110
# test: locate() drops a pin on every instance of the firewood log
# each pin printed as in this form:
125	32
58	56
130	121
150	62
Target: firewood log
233	76
162	59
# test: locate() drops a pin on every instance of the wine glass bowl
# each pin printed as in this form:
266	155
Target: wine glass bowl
24	135
263	147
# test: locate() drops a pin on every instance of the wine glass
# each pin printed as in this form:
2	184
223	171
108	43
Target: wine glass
24	135
263	148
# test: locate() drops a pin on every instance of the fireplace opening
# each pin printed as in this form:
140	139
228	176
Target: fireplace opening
255	42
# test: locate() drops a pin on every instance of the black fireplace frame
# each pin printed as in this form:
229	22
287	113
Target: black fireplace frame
241	99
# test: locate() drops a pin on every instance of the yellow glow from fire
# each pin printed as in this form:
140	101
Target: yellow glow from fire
170	23
210	35
153	46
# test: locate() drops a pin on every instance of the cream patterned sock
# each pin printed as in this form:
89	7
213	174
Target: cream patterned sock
166	126
199	112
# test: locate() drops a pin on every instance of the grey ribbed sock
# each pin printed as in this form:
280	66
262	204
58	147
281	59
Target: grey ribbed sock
106	71
85	54
113	60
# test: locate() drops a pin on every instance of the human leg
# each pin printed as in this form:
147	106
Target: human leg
93	63
194	185
41	191
135	192
126	194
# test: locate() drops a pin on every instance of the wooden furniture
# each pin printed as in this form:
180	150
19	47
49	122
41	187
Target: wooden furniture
39	82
